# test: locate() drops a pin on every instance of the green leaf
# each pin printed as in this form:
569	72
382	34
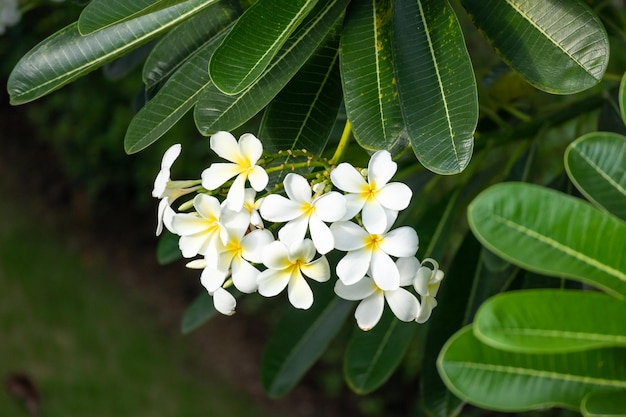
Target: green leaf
66	55
372	356
436	84
300	338
622	97
368	77
596	164
303	114
167	249
551	321
100	14
216	111
200	311
551	233
604	404
178	95
256	38
558	46
507	381
185	40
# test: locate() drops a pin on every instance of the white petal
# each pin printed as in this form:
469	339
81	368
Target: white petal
407	267
403	304
354	204
207	206
300	294
395	196
160	183
218	173
276	256
348	236
357	291
258	178
196	264
374	217
384	271
421	280
191	245
318	270
428	304
163	204
272	282
380	169
302	251
170	156
401	242
276	208
321	235
370	310
352	267
254	244
225	145
347	178
330	207
245	276
297	188
235	196
294	231
224	302
251	148
212	279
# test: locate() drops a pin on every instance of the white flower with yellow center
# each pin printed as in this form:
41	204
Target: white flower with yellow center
286	267
372	252
426	284
401	302
301	212
378	199
243	156
167	190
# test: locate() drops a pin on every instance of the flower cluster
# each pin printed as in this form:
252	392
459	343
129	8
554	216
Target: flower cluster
345	209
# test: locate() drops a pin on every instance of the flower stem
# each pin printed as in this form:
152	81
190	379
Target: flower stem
342	146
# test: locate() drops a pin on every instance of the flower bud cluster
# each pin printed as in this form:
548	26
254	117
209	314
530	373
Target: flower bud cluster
342	209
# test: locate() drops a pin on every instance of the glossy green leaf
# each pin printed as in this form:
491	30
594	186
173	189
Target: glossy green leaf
436	84
200	311
178	95
552	233
167	248
371	357
66	55
300	338
546	321
558	46
368	76
256	38
303	114
622	98
604	404
217	111
506	381
176	46
100	14
596	164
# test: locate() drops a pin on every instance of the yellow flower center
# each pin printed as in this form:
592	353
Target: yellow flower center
307	209
372	242
369	191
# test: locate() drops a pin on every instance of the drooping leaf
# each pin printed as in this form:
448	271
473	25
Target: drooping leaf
256	38
551	233
303	114
200	311
551	321
436	84
167	249
596	164
507	381
176	46
622	97
66	55
217	111
300	338
558	46
178	95
100	14
368	77
607	403
371	357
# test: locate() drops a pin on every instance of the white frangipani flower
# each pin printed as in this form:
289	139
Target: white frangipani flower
167	190
378	199
401	302
243	156
202	231
224	301
301	212
286	266
426	284
371	252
